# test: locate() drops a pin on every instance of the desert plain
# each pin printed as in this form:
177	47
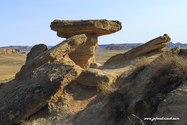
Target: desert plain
10	64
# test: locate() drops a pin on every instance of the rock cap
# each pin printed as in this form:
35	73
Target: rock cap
68	28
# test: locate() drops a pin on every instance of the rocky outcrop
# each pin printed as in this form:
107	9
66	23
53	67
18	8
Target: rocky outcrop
145	82
172	107
68	28
183	52
35	51
34	91
95	65
85	54
56	53
155	44
118	48
9	51
92	77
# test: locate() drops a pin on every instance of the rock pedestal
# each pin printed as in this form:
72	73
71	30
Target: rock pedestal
85	54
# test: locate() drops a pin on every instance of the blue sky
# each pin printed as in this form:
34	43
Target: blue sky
27	22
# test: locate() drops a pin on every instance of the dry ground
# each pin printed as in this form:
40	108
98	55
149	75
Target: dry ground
102	55
10	64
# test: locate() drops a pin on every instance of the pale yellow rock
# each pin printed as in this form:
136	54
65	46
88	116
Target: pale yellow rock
155	44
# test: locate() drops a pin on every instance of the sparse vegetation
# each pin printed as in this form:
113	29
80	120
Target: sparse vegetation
140	63
117	104
170	70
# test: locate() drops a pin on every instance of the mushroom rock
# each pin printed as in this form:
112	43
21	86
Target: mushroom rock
84	54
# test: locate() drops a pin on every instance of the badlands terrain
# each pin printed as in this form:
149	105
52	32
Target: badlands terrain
73	84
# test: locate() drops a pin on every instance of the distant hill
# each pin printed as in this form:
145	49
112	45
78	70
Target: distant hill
119	47
177	44
9	51
108	46
22	48
103	46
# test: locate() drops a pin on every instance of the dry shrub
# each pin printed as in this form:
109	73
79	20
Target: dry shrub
140	63
107	89
117	104
134	123
171	71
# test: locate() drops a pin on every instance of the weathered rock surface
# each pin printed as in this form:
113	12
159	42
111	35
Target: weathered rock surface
155	44
95	65
10	51
183	52
35	51
55	53
173	106
68	28
32	93
85	54
92	77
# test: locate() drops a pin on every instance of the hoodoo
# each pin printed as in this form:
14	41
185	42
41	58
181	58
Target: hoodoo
85	54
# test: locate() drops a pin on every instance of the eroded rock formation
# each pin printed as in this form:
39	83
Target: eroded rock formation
32	93
152	45
52	89
35	51
84	55
54	54
92	77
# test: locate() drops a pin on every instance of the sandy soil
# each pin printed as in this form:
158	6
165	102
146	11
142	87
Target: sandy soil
102	55
10	64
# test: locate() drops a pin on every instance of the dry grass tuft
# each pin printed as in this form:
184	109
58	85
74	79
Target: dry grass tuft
140	63
171	69
107	89
117	104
